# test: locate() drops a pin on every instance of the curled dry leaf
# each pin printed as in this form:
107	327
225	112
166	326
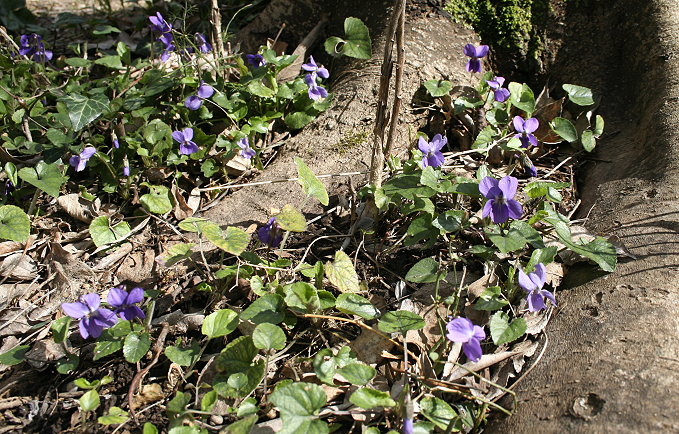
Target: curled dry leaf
18	266
238	165
110	259
149	394
79	208
486	361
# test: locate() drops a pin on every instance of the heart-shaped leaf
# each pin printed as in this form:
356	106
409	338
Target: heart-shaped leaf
103	233
579	95
438	88
354	304
503	331
400	321
46	177
220	323
341	273
367	398
289	219
14	224
82	109
136	346
267	336
310	184
158	200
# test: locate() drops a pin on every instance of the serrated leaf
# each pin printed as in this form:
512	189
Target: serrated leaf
357	373
341	273
268	308
502	331
14	224
89	401
185	356
103	233
237	355
46	177
112	61
267	336
506	241
579	95
114	416
289	219
157	201
136	346
354	304
82	110
424	271
219	323
439	412
542	256
14	356
368	398
356	44
298	404
437	88
565	129
310	184
400	321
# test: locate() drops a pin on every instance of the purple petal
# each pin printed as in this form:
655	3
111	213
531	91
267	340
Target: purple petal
323	73
508	185
469	50
515	209
501	95
75	310
518	124
104	317
500	80
117	297
193	102
474	65
486	185
499	212
132	312
248	152
408	427
435	159
487	208
75	162
535	302
136	295
317	92
178	136
549	295
84	326
531	125
92	300
188	148
188	134
460	330
126	170
493	84
525	283
205	90
438	142
472	350
479	333
116	143
539	275
532	139
88	152
423	145
311	66
481	51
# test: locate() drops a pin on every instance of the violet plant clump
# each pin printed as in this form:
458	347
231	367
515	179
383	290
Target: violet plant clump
432	155
33	47
93	318
79	162
125	303
532	283
463	331
501	205
525	130
185	139
475	53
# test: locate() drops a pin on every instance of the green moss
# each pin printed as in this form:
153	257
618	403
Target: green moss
351	139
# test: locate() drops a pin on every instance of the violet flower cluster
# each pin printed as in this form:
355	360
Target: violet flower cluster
432	151
203	45
33	47
205	91
270	234
255	60
500	194
80	161
161	27
475	53
316	92
463	331
94	318
245	150
532	283
185	138
500	93
525	130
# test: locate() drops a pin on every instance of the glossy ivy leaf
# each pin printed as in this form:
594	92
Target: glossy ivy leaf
183	356
114	416
298	404
267	336
14	356
103	233
439	412
89	401
579	95
588	141
136	346
565	129
368	398
400	321
490	299
438	88
424	271
46	177
522	97
356	42
82	109
341	273
220	323
357	373
503	331
14	224
310	184
268	308
289	219
157	201
354	304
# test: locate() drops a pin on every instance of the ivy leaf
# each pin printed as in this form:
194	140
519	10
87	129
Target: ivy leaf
400	321
289	219
14	356
503	331
565	129
437	88
157	201
103	233
46	177
310	184
220	323
579	95
368	398
14	224
267	336
354	304
424	271
82	110
298	404
341	273
136	346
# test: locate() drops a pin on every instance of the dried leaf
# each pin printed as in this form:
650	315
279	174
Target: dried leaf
485	361
79	208
19	266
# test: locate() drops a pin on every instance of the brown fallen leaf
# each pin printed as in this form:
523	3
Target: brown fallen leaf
486	361
79	208
149	394
18	266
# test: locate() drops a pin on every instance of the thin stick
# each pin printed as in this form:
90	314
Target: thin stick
400	57
274	181
217	40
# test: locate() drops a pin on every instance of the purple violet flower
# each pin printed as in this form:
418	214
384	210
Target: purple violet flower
126	170
270	234
501	94
184	137
203	45
315	69
32	46
246	151
255	60
194	102
408	427
532	284
125	303
525	130
500	194
469	335
474	64
432	150
158	24
9	188
116	143
80	161
316	92
93	319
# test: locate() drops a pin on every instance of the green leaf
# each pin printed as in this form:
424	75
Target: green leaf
357	43
407	186
114	416
59	328
310	184
178	404
579	95
112	62
220	323
58	138
437	88
302	297
136	346
357	373
565	129
368	398
588	141
243	426
424	271
341	273
234	241
439	412
158	200
14	224
490	299
267	336
298	404
89	401
522	97
103	233
400	321
14	356
104	348
184	356
599	250
177	253
149	428
268	308
82	110
450	221
542	256
77	62
354	304
507	241
46	177
298	120
503	331
289	219
68	364
256	87
237	355
236	362
598	126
